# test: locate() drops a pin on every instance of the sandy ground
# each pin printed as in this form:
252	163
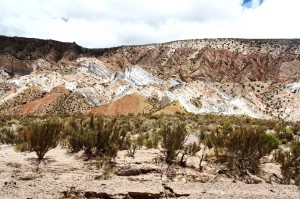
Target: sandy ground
66	175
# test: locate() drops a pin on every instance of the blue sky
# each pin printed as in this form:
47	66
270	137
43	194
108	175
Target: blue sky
248	3
106	23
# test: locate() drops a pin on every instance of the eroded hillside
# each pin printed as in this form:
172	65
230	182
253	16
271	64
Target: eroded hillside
259	78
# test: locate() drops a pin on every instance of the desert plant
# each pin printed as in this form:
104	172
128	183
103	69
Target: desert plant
216	140
142	139
74	133
75	140
88	140
173	139
150	140
82	139
99	137
189	150
243	148
154	139
247	146
7	136
43	136
290	163
286	134
108	137
21	141
131	146
203	147
192	148
296	128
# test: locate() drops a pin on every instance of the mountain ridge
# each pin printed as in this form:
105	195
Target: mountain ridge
229	76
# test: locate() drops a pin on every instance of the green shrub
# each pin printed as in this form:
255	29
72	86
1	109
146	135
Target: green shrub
131	145
82	139
24	146
75	141
216	140
108	137
97	136
10	136
142	139
88	141
242	148
74	133
290	163
295	128
43	136
173	138
286	134
279	127
284	141
149	140
7	136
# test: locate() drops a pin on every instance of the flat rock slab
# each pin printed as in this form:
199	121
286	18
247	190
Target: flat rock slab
236	190
123	189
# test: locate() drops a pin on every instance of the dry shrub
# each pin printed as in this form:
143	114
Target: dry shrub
241	148
97	137
290	163
43	136
173	139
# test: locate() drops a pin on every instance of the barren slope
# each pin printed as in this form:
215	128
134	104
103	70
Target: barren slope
228	76
133	103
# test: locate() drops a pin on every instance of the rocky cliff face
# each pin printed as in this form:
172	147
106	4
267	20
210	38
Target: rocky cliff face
221	60
231	76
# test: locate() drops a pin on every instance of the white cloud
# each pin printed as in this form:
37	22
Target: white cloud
103	23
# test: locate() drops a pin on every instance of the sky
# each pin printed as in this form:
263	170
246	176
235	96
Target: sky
107	23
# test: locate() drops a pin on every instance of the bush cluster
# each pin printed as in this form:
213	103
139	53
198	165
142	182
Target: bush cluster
290	163
97	137
238	143
241	148
43	136
173	139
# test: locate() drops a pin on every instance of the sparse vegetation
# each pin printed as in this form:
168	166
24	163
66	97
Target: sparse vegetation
161	144
131	145
43	136
290	163
236	144
173	139
97	137
241	148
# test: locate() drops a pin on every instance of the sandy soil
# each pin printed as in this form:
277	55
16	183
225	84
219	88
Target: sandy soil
66	175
